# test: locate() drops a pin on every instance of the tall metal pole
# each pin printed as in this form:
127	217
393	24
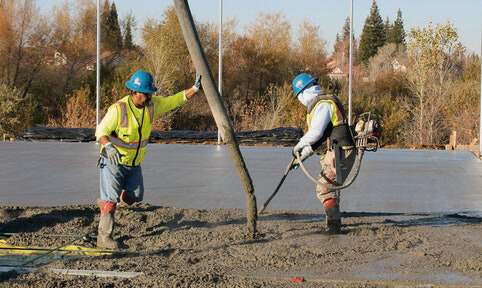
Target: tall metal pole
480	116
97	112
220	67
351	63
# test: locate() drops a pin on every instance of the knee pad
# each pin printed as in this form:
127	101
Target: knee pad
107	207
330	203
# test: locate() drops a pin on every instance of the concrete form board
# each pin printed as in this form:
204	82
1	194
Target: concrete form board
203	177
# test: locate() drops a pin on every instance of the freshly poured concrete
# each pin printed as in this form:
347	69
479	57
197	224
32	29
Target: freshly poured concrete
203	176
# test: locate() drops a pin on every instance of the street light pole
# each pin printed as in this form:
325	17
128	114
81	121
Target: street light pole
97	112
350	72
480	116
220	62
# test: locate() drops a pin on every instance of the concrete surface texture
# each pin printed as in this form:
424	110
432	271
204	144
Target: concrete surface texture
203	177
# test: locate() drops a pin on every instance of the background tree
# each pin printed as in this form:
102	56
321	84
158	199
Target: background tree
463	101
434	52
24	38
396	33
112	33
384	61
373	35
309	51
341	51
10	100
128	24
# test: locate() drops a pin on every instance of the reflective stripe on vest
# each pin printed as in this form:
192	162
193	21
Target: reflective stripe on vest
132	145
123	113
124	117
150	107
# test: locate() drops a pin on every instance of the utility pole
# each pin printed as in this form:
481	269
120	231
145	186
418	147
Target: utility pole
480	116
97	89
220	62
350	72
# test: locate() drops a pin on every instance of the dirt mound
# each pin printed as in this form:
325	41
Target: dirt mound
177	247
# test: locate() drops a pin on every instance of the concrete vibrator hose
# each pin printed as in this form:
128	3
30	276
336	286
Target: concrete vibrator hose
335	185
361	145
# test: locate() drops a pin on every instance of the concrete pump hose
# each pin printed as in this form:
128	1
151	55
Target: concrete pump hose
361	151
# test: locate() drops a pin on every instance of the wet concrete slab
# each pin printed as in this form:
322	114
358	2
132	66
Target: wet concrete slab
203	177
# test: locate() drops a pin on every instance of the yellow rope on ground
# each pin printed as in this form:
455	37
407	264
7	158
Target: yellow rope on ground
6	250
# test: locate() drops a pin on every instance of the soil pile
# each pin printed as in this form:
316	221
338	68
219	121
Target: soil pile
176	247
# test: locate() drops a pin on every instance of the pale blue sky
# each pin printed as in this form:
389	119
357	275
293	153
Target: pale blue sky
330	15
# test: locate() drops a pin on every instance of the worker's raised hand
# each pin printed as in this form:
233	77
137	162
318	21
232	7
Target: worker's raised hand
112	154
197	84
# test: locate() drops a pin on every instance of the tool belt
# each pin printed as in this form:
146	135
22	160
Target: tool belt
341	135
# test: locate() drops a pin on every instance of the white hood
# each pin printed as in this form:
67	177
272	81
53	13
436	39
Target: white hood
307	96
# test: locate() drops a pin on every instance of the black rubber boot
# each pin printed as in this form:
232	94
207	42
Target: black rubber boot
333	226
333	216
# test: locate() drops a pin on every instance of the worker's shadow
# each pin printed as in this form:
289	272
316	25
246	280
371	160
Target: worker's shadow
20	220
379	218
177	222
412	219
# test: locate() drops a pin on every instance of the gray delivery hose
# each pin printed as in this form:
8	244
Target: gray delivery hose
277	188
335	186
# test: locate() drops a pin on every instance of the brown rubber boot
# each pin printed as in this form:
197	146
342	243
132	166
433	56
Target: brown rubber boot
106	226
333	216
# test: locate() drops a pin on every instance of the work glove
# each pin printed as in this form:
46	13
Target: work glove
112	154
197	84
306	152
297	149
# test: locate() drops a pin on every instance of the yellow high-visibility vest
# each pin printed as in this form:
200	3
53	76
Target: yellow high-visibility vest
338	116
132	135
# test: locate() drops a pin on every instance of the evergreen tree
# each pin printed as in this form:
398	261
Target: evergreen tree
337	39
104	14
346	28
373	35
388	28
397	32
128	44
112	36
341	52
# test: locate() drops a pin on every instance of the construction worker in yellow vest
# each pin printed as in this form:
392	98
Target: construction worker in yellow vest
123	134
325	115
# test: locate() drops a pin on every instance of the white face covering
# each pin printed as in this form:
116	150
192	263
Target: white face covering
309	94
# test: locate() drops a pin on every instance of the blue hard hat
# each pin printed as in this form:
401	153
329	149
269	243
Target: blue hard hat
301	82
142	81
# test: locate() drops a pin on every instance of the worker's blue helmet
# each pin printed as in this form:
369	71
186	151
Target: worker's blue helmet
302	81
142	81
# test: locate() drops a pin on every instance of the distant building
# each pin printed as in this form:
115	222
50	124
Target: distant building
338	71
55	58
397	67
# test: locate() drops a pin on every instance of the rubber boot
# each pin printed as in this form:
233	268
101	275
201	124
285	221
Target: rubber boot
333	216
125	200
106	226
